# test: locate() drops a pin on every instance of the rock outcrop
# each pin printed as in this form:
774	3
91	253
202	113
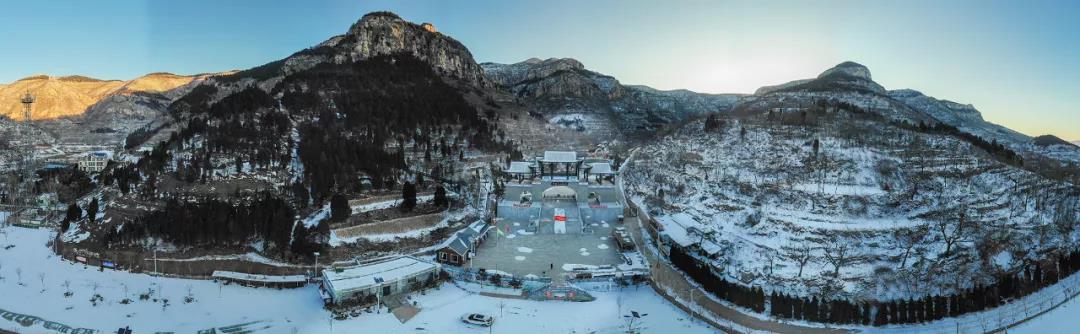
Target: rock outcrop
375	34
847	76
557	87
383	33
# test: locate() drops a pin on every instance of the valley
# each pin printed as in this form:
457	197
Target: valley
384	180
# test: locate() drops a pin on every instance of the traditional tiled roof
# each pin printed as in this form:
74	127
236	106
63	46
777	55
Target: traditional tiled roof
560	156
520	167
601	168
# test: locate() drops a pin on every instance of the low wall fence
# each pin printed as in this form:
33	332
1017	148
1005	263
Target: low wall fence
473	275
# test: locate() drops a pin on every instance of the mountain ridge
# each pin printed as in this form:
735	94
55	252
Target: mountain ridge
562	89
72	95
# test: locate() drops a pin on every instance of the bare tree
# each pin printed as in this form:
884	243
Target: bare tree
800	254
1065	219
908	238
839	254
952	230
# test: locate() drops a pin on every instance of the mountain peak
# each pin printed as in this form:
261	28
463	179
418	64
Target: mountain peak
848	68
1048	140
380	14
846	76
384	33
35	77
566	63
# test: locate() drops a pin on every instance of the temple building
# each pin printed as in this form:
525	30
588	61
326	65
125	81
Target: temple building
560	165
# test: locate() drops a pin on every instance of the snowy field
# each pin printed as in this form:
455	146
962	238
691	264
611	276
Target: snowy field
33	289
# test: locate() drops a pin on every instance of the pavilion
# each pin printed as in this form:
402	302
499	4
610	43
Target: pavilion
600	170
564	165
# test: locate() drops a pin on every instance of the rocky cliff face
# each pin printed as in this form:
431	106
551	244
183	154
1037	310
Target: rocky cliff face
848	76
963	116
384	33
559	88
375	34
552	78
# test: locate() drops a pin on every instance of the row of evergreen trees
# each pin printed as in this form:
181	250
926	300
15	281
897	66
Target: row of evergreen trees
752	298
980	297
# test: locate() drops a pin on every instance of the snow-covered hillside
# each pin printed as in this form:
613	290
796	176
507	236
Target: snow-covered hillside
846	205
852	83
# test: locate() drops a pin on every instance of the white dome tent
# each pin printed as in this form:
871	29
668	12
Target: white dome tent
560	192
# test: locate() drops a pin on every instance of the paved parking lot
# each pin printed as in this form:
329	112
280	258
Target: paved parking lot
520	252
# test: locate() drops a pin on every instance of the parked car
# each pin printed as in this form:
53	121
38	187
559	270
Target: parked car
478	319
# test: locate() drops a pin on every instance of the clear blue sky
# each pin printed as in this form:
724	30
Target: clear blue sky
1016	61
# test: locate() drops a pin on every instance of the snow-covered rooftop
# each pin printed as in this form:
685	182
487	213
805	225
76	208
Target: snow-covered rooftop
368	275
560	156
601	168
520	167
463	241
259	278
676	227
99	154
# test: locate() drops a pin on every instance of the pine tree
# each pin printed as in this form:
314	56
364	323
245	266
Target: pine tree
92	210
73	212
408	196
902	313
881	318
440	199
339	208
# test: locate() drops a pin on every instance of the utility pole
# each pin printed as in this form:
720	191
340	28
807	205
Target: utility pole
693	305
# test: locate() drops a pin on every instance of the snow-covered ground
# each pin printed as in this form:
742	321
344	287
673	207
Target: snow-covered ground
874	210
1062	319
33	288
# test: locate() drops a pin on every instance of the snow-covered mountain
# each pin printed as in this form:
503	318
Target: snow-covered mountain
852	83
836	186
565	92
357	113
845	76
831	199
